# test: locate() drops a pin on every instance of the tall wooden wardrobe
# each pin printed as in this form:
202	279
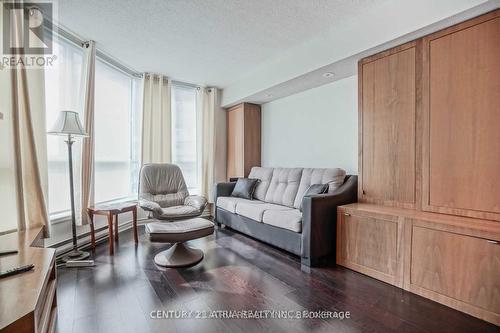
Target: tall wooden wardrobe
243	139
428	216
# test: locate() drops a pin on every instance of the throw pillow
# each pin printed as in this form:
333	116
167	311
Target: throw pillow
244	188
314	189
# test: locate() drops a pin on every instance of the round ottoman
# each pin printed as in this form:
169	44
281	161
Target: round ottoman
178	232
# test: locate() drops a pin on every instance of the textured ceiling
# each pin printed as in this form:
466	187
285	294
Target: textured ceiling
214	42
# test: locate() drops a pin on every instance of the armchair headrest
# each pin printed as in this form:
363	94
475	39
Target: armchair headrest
161	178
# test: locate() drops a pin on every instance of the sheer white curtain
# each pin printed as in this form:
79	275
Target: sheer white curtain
85	185
207	104
156	119
26	95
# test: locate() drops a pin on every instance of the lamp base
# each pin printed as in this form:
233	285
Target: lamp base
76	255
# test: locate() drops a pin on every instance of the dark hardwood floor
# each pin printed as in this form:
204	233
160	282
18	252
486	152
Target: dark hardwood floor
237	273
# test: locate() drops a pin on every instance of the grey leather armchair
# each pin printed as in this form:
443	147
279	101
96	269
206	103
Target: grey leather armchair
163	193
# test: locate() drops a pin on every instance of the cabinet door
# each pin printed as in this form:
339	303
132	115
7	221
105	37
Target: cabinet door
370	245
462	119
459	267
252	137
235	142
387	128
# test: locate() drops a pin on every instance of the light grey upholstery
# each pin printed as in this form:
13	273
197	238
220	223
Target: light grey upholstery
229	203
163	192
290	219
179	231
264	175
255	209
284	186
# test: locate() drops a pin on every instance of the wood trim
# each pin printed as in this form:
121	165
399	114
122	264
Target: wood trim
425	120
470	226
463	25
387	52
360	131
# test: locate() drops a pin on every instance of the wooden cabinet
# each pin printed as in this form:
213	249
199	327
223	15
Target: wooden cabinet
429	162
243	139
450	259
28	301
461	112
387	106
370	244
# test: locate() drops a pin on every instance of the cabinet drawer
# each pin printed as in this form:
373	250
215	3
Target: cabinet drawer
461	267
370	245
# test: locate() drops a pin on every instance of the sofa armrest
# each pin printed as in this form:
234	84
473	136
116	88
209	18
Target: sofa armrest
222	190
319	217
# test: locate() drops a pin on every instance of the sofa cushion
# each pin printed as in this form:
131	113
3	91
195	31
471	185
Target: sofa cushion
230	203
333	177
284	186
290	219
245	188
264	175
255	210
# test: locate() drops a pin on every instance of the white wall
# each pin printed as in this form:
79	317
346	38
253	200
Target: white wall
314	128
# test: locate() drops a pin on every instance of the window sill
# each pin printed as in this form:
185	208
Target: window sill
65	217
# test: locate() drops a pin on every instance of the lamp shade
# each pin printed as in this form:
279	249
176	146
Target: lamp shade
68	122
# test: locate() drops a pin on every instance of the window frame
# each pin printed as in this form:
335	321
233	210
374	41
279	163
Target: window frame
65	215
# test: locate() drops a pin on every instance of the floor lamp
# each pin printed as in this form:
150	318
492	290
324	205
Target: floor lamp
68	124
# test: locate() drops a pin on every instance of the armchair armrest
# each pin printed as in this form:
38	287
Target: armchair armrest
196	201
319	217
150	206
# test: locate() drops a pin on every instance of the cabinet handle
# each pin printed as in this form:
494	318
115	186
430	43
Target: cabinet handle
347	214
492	241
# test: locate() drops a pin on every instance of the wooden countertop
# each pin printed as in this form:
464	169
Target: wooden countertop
479	227
19	293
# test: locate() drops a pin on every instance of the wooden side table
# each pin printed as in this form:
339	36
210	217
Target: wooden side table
111	211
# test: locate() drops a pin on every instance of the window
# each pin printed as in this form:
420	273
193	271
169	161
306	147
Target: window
117	128
184	134
117	133
62	84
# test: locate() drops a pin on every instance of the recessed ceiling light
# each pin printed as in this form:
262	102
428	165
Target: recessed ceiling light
328	74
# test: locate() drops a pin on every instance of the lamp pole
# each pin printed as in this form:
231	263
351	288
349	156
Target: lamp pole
75	254
68	124
70	142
